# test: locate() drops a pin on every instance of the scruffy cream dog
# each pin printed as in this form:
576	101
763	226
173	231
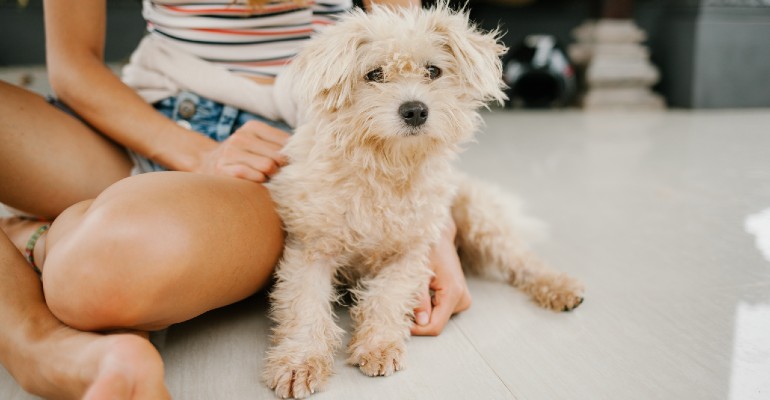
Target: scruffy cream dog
369	188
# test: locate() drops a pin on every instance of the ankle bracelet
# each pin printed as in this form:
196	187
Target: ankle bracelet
29	251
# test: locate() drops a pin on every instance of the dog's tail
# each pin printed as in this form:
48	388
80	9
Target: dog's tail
494	237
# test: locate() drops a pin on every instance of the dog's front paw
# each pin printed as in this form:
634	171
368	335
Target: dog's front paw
297	380
559	293
378	360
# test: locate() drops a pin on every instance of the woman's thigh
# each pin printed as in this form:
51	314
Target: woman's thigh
160	248
48	159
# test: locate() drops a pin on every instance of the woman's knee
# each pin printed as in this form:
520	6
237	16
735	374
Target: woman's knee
133	257
98	273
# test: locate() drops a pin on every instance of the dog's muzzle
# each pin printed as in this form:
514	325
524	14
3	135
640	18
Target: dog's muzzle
414	113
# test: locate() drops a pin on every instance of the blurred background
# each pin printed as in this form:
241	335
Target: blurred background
690	53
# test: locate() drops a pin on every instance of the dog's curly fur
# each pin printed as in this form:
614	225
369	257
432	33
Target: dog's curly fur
368	191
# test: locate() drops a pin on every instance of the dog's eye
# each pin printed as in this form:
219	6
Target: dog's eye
375	75
433	72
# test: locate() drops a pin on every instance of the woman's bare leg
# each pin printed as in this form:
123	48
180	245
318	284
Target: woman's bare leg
150	251
52	360
160	248
48	159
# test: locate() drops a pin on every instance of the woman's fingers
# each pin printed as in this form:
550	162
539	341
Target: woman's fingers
253	152
423	311
267	132
252	142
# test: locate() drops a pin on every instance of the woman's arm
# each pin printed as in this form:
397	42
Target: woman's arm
75	32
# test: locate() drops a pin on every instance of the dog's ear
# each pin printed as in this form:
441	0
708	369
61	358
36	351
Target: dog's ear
477	53
326	69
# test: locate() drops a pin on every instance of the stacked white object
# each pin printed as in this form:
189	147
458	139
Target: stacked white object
618	71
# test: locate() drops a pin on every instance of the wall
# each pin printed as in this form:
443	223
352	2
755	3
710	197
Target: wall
732	55
22	38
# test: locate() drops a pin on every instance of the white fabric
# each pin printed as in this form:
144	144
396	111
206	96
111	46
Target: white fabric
158	70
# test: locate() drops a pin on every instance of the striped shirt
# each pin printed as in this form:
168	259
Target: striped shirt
256	42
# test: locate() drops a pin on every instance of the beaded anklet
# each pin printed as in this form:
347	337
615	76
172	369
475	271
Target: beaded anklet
29	251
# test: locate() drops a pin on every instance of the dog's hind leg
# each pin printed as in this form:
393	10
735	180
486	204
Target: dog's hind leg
305	336
492	233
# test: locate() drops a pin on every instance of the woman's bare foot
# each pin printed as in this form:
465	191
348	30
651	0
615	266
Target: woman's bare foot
19	230
70	364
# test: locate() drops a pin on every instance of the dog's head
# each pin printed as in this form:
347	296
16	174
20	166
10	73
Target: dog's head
402	75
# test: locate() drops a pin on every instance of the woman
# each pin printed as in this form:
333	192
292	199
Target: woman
124	254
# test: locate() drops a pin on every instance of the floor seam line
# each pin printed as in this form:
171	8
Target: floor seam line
462	331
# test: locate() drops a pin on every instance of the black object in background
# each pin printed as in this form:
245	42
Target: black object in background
538	74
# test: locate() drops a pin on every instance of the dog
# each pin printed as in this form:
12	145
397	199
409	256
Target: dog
392	95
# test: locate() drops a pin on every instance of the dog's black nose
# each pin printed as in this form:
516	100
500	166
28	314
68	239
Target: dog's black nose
414	113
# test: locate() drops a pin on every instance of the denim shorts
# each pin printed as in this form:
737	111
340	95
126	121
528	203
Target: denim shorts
207	117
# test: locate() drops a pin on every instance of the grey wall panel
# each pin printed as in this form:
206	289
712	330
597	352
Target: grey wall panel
732	57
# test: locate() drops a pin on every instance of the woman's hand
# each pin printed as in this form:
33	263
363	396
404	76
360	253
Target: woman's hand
450	291
252	152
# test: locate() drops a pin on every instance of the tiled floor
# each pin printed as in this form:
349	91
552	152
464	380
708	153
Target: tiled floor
665	217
